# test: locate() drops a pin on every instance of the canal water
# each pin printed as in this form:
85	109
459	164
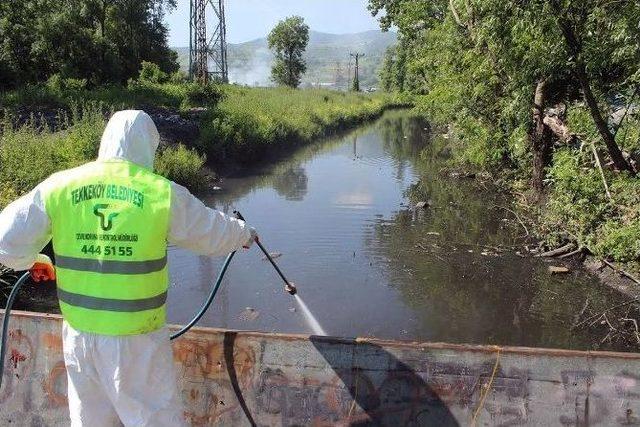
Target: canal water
367	263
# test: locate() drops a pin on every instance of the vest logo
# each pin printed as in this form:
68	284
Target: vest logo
105	223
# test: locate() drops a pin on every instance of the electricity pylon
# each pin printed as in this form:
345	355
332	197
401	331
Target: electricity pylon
207	51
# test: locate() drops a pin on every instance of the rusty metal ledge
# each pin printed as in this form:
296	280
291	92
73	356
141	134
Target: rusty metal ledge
529	351
243	377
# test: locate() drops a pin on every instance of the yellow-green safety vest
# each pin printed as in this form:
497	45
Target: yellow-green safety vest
110	221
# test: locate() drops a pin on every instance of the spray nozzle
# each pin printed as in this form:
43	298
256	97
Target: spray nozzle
291	288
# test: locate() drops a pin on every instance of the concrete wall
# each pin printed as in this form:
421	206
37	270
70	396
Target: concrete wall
230	378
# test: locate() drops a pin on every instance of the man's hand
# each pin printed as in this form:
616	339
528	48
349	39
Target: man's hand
43	269
254	238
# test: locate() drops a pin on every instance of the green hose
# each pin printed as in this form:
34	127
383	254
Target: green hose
5	321
209	300
23	279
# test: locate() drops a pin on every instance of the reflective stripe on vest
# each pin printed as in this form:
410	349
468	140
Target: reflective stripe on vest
110	221
111	267
107	304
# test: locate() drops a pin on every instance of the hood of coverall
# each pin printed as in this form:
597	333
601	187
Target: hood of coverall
130	135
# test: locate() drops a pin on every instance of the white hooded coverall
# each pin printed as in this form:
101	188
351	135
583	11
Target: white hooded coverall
128	379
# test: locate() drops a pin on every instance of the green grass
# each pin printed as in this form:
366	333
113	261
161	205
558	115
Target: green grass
579	208
240	124
65	93
251	122
29	154
183	166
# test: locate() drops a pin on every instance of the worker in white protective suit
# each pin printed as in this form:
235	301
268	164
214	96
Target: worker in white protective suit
110	222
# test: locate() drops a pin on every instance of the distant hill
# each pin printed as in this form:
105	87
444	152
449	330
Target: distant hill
327	55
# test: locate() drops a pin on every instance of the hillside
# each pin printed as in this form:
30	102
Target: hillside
328	61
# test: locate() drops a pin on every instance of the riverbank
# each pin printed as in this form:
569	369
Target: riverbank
578	221
584	201
56	126
250	123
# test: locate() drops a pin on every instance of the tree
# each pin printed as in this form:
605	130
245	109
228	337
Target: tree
387	70
98	40
355	84
589	33
500	69
288	40
400	69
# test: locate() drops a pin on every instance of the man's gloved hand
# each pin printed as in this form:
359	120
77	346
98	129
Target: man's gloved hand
43	269
254	237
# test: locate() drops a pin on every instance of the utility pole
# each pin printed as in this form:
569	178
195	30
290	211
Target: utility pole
348	75
356	78
203	50
339	79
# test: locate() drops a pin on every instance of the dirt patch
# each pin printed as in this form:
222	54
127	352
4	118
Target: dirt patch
174	127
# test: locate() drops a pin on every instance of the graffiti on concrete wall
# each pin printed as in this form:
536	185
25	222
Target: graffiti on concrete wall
232	378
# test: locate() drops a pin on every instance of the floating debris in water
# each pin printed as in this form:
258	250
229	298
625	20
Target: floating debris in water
273	255
557	269
249	314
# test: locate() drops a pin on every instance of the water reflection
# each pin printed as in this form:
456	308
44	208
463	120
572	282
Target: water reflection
367	263
291	183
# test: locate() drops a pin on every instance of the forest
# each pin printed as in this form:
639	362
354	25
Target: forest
543	94
97	41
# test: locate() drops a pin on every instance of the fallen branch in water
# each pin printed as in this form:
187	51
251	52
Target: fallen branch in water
572	253
584	308
635	325
559	251
621	271
599	315
517	217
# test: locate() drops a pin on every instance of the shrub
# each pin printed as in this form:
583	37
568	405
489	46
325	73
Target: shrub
621	242
29	154
31	96
151	73
66	87
579	207
196	95
179	77
183	166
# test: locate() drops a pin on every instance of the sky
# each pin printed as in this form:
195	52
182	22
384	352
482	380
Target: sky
252	19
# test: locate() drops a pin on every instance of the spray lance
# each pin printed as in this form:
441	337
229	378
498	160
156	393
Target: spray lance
289	287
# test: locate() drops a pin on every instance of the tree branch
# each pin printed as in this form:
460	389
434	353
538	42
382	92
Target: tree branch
575	49
604	179
456	17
